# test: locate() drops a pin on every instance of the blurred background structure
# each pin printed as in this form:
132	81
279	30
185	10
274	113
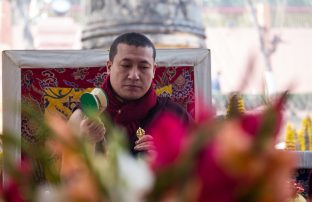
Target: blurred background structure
175	23
275	36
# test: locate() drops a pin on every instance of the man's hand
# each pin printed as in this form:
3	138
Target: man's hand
145	143
94	130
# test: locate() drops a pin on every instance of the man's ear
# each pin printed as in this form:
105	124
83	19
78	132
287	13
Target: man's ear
108	66
154	69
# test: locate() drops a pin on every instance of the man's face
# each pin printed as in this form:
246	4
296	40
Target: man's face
131	71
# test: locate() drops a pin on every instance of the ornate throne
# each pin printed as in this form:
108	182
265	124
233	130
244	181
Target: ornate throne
54	81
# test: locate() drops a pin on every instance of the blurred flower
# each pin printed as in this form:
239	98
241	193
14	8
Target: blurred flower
215	159
169	139
78	181
15	188
250	123
50	193
12	192
136	184
227	160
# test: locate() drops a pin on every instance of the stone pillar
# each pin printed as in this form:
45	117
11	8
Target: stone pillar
169	23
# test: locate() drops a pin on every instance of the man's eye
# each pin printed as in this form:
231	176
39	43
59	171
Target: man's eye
126	65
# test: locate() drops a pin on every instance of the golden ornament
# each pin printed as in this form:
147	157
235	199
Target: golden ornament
140	132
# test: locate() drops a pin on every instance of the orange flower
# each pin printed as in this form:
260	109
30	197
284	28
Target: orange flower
261	176
79	182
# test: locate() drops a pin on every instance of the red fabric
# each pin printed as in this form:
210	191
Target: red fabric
128	114
36	81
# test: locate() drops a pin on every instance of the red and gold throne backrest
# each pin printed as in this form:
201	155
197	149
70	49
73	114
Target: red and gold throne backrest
59	89
54	81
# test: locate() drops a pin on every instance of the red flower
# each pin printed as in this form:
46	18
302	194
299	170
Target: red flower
250	123
12	192
216	185
269	119
15	188
169	138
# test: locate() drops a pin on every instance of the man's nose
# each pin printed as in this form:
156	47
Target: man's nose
134	73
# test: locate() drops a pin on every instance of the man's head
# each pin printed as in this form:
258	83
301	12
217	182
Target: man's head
134	39
131	65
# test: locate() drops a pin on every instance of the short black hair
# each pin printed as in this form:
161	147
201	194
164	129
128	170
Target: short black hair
131	38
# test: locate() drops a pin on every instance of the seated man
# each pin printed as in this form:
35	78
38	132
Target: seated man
132	101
